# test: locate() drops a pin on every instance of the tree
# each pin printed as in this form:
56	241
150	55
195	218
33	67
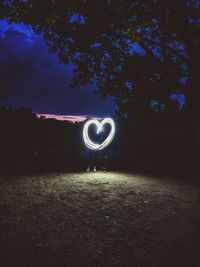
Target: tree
134	50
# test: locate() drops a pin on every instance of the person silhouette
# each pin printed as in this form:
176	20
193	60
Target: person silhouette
93	154
98	157
92	161
104	154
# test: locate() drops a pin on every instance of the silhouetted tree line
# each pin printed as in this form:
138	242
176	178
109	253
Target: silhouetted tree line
29	142
137	52
149	140
156	139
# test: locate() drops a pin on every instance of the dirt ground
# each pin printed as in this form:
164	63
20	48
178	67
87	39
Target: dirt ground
98	219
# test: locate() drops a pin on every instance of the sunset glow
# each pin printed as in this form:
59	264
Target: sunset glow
70	118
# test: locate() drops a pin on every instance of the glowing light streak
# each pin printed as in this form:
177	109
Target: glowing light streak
100	128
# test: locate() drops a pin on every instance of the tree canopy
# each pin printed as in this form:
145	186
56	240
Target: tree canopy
134	50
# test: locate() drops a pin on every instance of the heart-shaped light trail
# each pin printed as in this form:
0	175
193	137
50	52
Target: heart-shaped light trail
99	125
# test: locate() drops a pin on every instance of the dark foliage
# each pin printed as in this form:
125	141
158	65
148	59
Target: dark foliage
29	143
99	38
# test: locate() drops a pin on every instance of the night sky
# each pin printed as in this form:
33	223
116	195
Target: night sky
32	77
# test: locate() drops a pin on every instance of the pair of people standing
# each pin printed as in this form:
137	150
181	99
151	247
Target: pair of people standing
97	159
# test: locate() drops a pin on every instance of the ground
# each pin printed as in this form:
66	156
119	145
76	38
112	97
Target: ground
98	219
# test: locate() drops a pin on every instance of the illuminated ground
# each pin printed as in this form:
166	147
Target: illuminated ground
97	219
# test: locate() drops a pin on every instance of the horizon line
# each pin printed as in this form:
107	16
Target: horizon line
63	117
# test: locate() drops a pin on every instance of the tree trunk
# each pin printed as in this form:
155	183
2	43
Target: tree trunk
192	103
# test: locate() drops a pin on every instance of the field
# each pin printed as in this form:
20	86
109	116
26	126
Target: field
99	219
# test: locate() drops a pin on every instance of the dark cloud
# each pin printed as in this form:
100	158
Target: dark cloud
30	76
